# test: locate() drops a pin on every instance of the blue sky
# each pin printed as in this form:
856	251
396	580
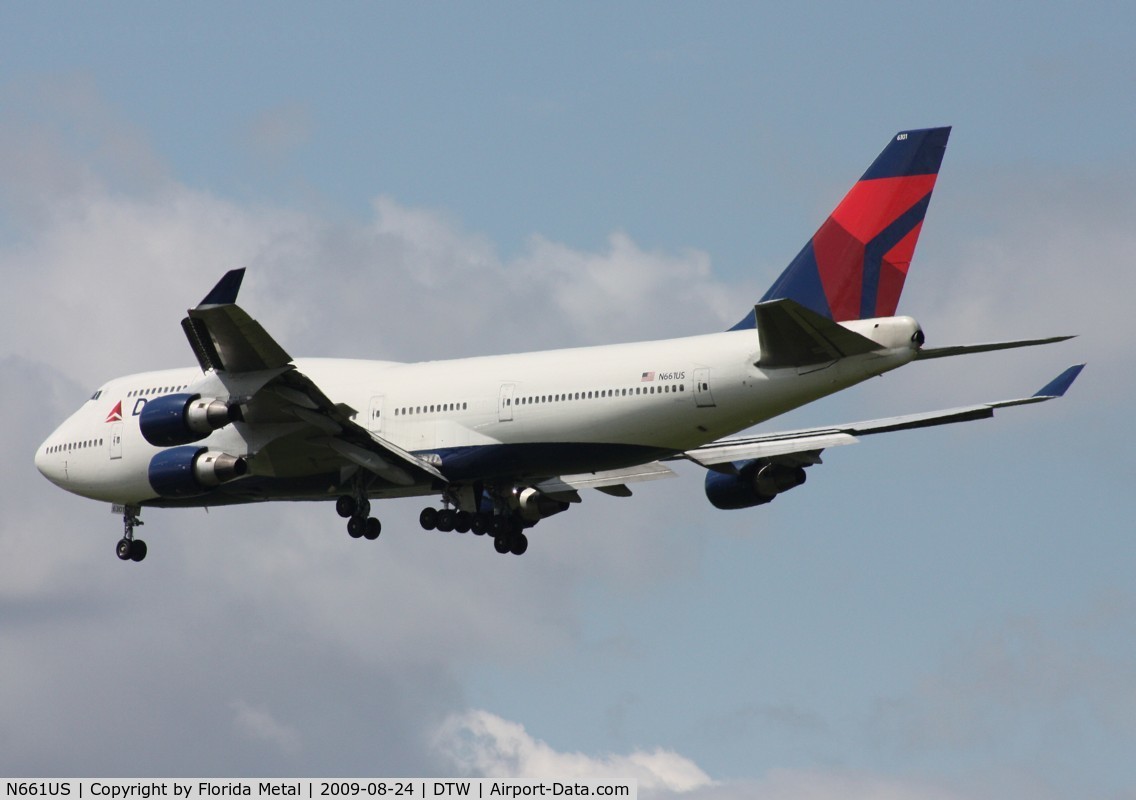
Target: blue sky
937	614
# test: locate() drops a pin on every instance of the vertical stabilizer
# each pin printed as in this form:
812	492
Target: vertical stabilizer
854	266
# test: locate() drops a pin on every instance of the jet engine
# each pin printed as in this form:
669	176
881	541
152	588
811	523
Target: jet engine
174	419
189	471
756	483
533	505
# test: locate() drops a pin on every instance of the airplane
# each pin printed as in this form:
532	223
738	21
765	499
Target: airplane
506	441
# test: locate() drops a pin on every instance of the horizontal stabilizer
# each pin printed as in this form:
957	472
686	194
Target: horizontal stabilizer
793	336
964	349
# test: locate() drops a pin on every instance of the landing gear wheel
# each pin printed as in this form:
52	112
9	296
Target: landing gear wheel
428	519
463	521
122	549
479	524
372	528
497	526
137	550
446	520
519	544
345	506
355	527
501	544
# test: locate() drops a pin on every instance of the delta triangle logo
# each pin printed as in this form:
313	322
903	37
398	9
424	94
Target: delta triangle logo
115	414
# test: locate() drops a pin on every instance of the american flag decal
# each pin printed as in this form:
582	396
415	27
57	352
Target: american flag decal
647	376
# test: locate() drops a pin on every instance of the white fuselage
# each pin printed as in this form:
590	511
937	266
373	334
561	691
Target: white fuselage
518	417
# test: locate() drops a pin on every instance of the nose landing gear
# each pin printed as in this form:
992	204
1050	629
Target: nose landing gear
129	548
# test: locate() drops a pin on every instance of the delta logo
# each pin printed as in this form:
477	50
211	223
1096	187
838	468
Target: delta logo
115	414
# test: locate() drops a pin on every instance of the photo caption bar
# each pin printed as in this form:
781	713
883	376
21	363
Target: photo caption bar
209	788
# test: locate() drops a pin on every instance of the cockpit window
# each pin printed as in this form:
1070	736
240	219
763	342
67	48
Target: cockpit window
97	394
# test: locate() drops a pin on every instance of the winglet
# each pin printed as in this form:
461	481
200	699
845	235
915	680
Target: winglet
1059	385
225	292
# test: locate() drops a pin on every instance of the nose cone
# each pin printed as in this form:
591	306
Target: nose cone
50	465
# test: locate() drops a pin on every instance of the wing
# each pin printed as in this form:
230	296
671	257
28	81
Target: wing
289	423
803	447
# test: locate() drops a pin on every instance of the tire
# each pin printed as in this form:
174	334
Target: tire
463	521
137	550
428	519
122	549
355	527
372	529
345	506
446	520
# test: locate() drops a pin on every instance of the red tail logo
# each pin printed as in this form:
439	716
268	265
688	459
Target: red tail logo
115	414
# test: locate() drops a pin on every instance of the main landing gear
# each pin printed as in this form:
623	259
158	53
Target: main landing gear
507	530
129	548
357	511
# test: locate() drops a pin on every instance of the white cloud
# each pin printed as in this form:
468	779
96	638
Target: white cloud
260	725
482	744
785	784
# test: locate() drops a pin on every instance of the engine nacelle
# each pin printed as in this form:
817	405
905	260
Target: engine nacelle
535	506
174	419
189	471
756	483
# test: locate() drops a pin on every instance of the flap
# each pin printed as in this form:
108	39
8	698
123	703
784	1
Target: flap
774	446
